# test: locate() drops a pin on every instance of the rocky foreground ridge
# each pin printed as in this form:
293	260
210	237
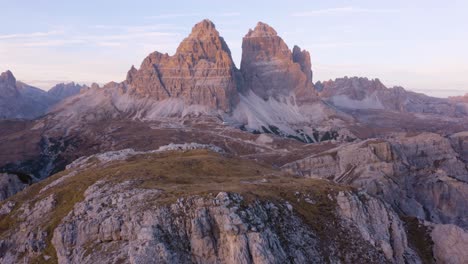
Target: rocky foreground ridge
180	204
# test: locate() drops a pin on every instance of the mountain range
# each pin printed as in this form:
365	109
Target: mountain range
191	159
21	101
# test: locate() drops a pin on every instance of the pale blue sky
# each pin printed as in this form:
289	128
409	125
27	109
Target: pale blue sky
421	45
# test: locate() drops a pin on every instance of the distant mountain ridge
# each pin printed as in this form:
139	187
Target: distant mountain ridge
64	90
22	101
362	93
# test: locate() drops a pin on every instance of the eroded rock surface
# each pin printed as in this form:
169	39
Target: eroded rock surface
119	222
450	244
271	69
362	93
201	72
418	175
127	221
10	184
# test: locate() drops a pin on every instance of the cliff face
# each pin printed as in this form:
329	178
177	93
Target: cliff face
362	93
200	72
10	184
64	90
415	174
271	69
101	210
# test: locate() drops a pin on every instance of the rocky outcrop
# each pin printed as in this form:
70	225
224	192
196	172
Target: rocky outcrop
64	90
420	175
121	220
271	70
214	230
362	93
378	224
460	144
201	72
450	244
8	84
10	184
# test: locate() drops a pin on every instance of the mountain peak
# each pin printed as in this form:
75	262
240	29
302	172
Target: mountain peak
201	72
204	25
203	40
7	77
271	69
262	30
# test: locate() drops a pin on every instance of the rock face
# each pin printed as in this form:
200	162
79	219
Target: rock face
200	72
215	230
450	243
362	93
271	69
119	220
460	144
64	90
10	184
8	84
419	176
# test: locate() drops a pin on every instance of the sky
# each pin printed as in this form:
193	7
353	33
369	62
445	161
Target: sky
420	45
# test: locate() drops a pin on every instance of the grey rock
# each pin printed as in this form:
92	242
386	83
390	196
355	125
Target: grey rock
10	184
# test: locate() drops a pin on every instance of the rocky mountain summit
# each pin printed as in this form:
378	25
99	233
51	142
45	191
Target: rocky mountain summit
201	72
271	69
202	79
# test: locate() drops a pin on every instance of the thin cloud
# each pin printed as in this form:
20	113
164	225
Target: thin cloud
165	16
341	11
231	14
138	28
32	35
53	43
109	44
339	44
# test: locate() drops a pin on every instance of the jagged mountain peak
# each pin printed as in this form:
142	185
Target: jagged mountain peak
271	69
204	26
63	90
8	77
262	30
204	42
302	57
201	72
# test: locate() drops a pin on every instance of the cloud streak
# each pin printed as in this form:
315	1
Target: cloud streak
230	14
32	35
172	15
342	11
